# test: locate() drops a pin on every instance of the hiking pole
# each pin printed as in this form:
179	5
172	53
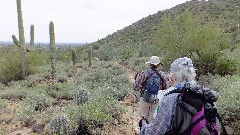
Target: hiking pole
132	116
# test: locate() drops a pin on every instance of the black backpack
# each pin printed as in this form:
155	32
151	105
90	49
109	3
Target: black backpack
195	112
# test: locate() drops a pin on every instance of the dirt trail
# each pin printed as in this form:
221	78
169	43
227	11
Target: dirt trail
129	122
72	79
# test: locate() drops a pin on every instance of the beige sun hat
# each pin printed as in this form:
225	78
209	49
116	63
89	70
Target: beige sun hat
154	60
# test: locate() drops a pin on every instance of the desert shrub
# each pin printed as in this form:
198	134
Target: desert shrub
103	108
109	75
39	101
2	104
60	125
27	114
206	62
229	100
226	66
106	53
2	86
37	60
74	114
70	70
34	80
14	93
62	91
215	63
64	55
11	66
138	64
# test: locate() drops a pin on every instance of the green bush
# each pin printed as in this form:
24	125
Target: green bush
27	114
226	66
39	101
14	93
108	75
215	63
37	60
2	104
138	64
229	100
62	91
70	70
64	55
10	69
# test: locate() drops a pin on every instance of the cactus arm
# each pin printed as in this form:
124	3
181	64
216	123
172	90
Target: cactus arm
32	35
15	40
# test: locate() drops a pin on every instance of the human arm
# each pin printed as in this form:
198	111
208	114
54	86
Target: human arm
140	79
162	122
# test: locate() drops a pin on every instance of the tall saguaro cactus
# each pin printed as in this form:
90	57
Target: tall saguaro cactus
90	56
32	35
52	47
21	42
74	56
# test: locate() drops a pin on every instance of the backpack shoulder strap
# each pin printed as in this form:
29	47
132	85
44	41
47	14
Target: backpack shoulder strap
196	122
150	73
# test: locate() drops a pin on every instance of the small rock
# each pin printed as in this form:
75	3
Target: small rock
115	122
127	131
64	102
38	128
46	128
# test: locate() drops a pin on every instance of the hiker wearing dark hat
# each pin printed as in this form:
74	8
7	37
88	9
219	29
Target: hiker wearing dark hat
149	82
188	109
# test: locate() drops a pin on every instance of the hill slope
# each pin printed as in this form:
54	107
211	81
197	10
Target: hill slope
223	12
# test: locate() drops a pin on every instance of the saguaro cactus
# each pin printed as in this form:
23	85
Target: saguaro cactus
82	96
52	47
21	42
32	35
90	56
74	56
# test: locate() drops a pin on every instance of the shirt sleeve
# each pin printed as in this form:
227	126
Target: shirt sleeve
162	122
141	78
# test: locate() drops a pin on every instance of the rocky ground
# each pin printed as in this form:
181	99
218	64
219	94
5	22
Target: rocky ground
127	125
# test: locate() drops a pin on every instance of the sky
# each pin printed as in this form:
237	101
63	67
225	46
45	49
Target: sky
76	21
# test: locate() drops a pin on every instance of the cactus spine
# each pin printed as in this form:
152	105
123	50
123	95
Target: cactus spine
21	42
74	56
89	56
32	35
52	47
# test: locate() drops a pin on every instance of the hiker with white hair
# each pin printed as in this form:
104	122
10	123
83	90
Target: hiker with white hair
149	82
188	109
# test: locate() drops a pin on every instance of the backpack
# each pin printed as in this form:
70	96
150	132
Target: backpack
151	86
195	113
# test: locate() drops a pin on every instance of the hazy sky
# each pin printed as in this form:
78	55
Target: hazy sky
76	20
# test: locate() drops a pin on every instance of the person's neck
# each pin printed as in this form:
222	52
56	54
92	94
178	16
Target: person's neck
154	68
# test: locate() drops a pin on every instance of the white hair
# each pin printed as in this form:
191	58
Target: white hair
183	69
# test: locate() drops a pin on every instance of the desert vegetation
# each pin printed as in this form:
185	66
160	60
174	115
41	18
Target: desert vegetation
78	90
